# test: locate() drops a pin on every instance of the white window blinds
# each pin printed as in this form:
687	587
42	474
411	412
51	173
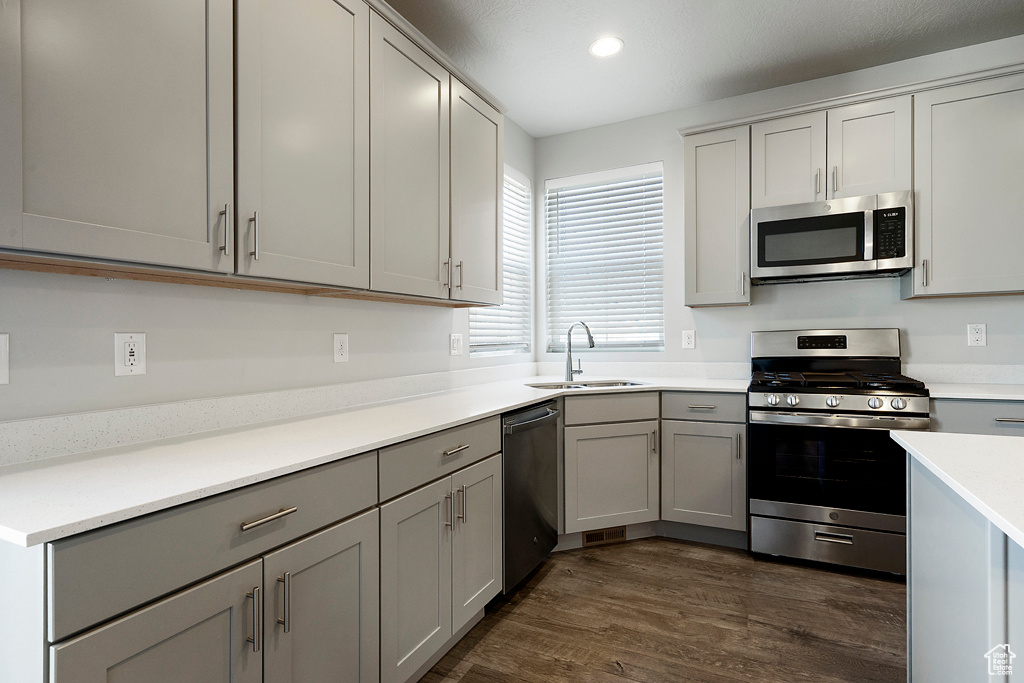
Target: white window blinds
605	258
507	328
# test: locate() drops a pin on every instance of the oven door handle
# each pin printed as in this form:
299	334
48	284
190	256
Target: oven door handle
841	421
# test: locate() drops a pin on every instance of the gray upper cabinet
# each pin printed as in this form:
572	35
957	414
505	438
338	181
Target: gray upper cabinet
717	228
477	173
199	634
869	148
126	131
303	141
968	147
787	160
321	606
409	166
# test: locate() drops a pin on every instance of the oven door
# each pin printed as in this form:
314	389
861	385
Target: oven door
826	467
814	239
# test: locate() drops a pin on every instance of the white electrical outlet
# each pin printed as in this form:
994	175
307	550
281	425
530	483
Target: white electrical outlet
455	345
689	339
341	348
5	358
977	334
129	353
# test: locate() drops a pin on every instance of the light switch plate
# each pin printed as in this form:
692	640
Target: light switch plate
5	358
129	353
689	339
977	334
455	344
341	348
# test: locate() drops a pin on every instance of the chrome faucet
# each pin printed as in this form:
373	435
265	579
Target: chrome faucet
570	373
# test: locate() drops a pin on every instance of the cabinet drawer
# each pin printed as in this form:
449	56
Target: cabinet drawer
611	408
414	463
704	406
103	573
978	417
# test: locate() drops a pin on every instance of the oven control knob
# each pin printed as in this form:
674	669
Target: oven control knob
875	402
773	399
793	400
832	401
899	403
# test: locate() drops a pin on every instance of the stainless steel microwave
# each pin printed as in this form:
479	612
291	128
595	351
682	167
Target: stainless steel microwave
848	237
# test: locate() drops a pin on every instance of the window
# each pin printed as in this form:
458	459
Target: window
605	258
507	328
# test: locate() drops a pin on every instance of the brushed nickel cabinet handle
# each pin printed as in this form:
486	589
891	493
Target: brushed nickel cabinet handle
446	271
283	512
835	179
924	273
739	448
227	230
452	451
1014	420
743	283
257	617
817	182
448	510
461	275
462	514
654	442
255	220
286	620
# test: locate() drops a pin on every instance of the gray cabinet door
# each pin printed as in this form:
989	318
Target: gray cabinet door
127	130
869	148
325	589
415	579
611	475
477	177
717	227
968	146
787	160
703	474
303	140
476	539
409	166
197	635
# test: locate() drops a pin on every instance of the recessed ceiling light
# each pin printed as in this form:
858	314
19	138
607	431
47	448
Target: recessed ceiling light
606	47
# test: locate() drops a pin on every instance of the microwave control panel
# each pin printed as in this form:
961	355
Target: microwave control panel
891	232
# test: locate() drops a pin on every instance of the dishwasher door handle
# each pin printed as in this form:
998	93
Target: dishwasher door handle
514	427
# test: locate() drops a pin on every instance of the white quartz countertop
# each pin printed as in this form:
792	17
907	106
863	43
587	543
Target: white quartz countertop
986	392
986	471
49	499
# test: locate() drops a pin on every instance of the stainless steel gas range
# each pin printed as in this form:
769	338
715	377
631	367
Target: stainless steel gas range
825	481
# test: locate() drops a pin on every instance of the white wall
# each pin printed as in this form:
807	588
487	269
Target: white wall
935	330
205	342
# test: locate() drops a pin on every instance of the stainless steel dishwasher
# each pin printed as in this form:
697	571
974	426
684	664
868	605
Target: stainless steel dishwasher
530	489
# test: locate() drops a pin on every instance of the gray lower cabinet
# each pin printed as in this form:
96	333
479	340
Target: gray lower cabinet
197	635
611	474
321	606
962	601
440	560
967	416
703	474
121	149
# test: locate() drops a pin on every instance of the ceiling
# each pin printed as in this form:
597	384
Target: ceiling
532	54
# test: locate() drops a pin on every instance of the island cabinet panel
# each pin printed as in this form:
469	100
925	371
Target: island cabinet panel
409	166
968	146
197	635
956	585
303	141
126	131
106	572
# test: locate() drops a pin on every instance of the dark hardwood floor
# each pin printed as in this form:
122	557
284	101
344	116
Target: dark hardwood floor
657	610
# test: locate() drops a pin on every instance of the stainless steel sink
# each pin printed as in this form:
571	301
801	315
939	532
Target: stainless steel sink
597	384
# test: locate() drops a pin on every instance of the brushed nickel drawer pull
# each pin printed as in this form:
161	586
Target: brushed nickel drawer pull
1014	420
286	620
833	538
267	520
698	407
452	451
257	617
